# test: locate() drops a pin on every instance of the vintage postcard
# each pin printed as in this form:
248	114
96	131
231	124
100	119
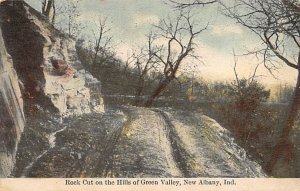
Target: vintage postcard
149	95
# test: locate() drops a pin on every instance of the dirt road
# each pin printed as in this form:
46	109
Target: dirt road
139	142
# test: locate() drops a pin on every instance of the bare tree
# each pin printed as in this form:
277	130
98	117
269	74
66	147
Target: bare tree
277	24
129	61
63	14
191	3
48	8
178	36
247	82
247	94
70	12
144	61
102	40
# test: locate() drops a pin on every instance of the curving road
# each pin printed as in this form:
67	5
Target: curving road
138	142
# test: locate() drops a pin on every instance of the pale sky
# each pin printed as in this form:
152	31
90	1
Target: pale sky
131	20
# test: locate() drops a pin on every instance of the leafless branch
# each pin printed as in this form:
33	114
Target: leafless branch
178	35
235	71
102	39
275	22
183	5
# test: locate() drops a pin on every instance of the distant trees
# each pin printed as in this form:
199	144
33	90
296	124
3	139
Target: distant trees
248	92
63	14
69	13
248	95
283	93
277	24
102	39
144	61
245	93
177	43
98	45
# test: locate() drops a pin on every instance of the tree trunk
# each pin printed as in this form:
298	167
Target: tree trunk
54	14
283	156
96	53
48	8
69	25
44	5
137	99
157	92
138	93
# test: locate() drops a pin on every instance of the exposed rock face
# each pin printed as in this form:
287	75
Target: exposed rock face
68	85
43	62
11	112
47	63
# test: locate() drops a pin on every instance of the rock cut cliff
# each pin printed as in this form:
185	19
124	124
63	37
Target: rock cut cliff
11	112
39	68
47	64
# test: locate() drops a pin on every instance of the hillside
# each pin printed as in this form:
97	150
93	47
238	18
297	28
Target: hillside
68	133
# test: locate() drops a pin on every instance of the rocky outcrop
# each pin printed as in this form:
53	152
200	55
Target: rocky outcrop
38	66
72	89
11	112
47	64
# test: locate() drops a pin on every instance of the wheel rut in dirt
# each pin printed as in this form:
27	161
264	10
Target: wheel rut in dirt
144	148
104	166
177	150
133	142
